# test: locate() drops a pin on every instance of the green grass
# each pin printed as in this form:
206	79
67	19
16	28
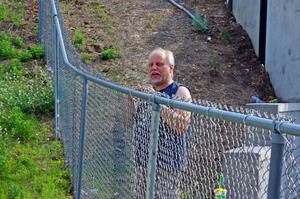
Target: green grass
32	168
16	20
3	12
31	163
12	12
105	17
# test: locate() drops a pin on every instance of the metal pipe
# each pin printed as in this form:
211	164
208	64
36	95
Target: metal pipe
276	165
186	11
182	8
152	152
82	135
56	75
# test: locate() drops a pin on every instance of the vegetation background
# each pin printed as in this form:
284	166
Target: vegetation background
31	162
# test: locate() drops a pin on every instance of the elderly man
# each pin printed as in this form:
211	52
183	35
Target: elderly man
173	129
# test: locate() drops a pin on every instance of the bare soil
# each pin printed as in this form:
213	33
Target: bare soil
218	70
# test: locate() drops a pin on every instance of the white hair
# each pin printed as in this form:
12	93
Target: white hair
166	54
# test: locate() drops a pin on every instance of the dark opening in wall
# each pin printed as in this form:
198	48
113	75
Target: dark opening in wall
263	30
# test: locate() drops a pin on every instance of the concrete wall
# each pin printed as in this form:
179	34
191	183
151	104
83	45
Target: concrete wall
247	13
283	48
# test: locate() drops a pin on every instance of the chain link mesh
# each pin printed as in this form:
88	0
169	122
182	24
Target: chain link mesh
189	162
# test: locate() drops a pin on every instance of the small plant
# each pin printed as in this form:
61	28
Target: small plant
86	57
110	53
200	23
37	51
106	19
225	35
154	21
78	38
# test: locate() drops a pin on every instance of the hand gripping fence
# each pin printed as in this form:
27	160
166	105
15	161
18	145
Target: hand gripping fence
117	144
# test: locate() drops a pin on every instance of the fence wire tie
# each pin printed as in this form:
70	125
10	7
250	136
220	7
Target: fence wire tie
222	115
130	93
245	118
207	112
280	122
169	102
152	97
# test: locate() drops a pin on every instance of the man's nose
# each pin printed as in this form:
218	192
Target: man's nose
154	66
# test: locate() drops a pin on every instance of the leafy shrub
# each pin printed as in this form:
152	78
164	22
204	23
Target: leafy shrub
7	50
110	53
37	51
18	124
12	70
15	69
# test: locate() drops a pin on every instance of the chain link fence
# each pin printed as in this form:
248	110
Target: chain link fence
109	139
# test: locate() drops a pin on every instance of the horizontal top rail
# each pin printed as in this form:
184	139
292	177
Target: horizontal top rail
280	126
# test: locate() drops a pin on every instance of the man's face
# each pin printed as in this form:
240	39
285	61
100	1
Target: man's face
159	70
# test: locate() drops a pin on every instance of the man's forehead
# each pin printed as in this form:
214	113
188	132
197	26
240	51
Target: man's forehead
158	55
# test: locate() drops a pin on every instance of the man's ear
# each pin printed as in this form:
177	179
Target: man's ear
172	67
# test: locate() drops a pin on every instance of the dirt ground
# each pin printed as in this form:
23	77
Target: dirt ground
220	70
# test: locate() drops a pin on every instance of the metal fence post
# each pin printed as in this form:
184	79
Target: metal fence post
276	165
40	22
153	151
81	138
56	74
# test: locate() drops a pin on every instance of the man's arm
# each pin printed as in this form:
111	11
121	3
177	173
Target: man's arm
176	118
